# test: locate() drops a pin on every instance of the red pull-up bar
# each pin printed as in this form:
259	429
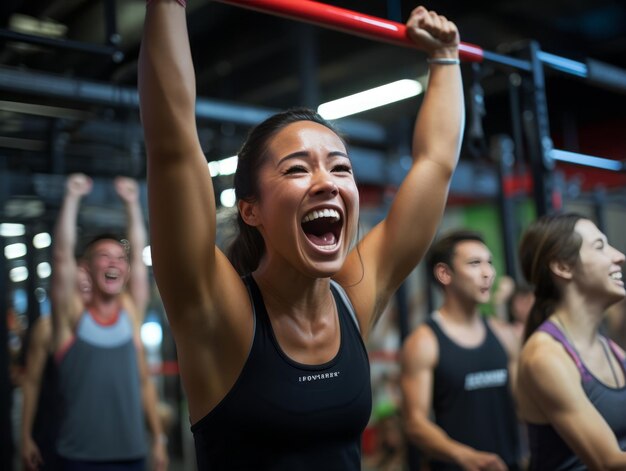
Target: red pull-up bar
380	29
346	21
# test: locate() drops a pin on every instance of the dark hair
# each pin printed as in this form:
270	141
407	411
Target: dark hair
442	250
521	289
248	247
548	239
87	248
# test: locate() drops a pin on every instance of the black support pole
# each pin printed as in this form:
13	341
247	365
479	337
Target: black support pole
537	128
502	148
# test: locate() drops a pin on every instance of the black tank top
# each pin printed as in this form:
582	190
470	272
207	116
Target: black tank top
471	397
283	415
547	449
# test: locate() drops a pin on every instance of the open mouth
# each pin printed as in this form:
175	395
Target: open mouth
323	227
111	276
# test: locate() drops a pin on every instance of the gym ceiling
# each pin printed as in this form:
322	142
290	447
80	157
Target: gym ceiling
67	99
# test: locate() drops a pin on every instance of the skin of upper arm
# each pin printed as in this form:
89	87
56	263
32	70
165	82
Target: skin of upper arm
39	348
551	380
511	344
389	252
418	359
195	279
138	284
197	284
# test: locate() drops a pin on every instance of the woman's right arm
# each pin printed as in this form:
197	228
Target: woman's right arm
188	267
550	379
206	302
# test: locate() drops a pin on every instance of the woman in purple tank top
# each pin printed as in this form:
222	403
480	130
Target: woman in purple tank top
571	388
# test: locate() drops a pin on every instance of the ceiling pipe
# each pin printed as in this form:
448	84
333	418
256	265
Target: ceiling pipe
48	85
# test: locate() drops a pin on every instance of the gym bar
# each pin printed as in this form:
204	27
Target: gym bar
346	21
587	160
371	27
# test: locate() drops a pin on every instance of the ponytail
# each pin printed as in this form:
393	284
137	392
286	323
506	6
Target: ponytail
541	310
550	238
246	250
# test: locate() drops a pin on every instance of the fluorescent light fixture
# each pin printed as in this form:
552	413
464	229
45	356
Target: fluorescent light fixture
12	230
42	240
29	25
379	96
146	255
227	198
12	251
226	166
18	274
44	270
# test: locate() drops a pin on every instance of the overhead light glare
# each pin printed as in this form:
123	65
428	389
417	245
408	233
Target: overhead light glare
226	166
228	198
44	270
8	229
146	255
42	240
18	274
13	251
151	334
30	25
369	99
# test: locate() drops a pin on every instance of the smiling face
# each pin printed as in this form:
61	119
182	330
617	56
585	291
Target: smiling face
599	273
108	266
308	204
472	274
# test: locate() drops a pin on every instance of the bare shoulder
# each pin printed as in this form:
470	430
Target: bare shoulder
542	351
420	349
546	369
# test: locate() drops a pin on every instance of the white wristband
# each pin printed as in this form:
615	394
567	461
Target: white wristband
443	61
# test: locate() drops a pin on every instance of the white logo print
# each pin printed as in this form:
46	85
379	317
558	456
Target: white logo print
318	377
485	379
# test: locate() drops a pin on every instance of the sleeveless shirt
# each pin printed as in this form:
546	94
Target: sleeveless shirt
547	448
284	415
472	401
99	382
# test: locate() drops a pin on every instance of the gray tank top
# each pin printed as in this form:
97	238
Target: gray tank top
548	450
99	382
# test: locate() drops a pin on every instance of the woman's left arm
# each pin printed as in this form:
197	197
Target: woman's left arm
387	255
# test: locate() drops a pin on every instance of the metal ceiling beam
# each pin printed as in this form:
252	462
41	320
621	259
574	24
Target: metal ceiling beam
74	90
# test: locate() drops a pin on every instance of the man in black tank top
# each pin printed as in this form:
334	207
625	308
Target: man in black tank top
457	366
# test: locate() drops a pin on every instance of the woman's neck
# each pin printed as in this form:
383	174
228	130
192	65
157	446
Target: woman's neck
105	307
290	292
580	325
